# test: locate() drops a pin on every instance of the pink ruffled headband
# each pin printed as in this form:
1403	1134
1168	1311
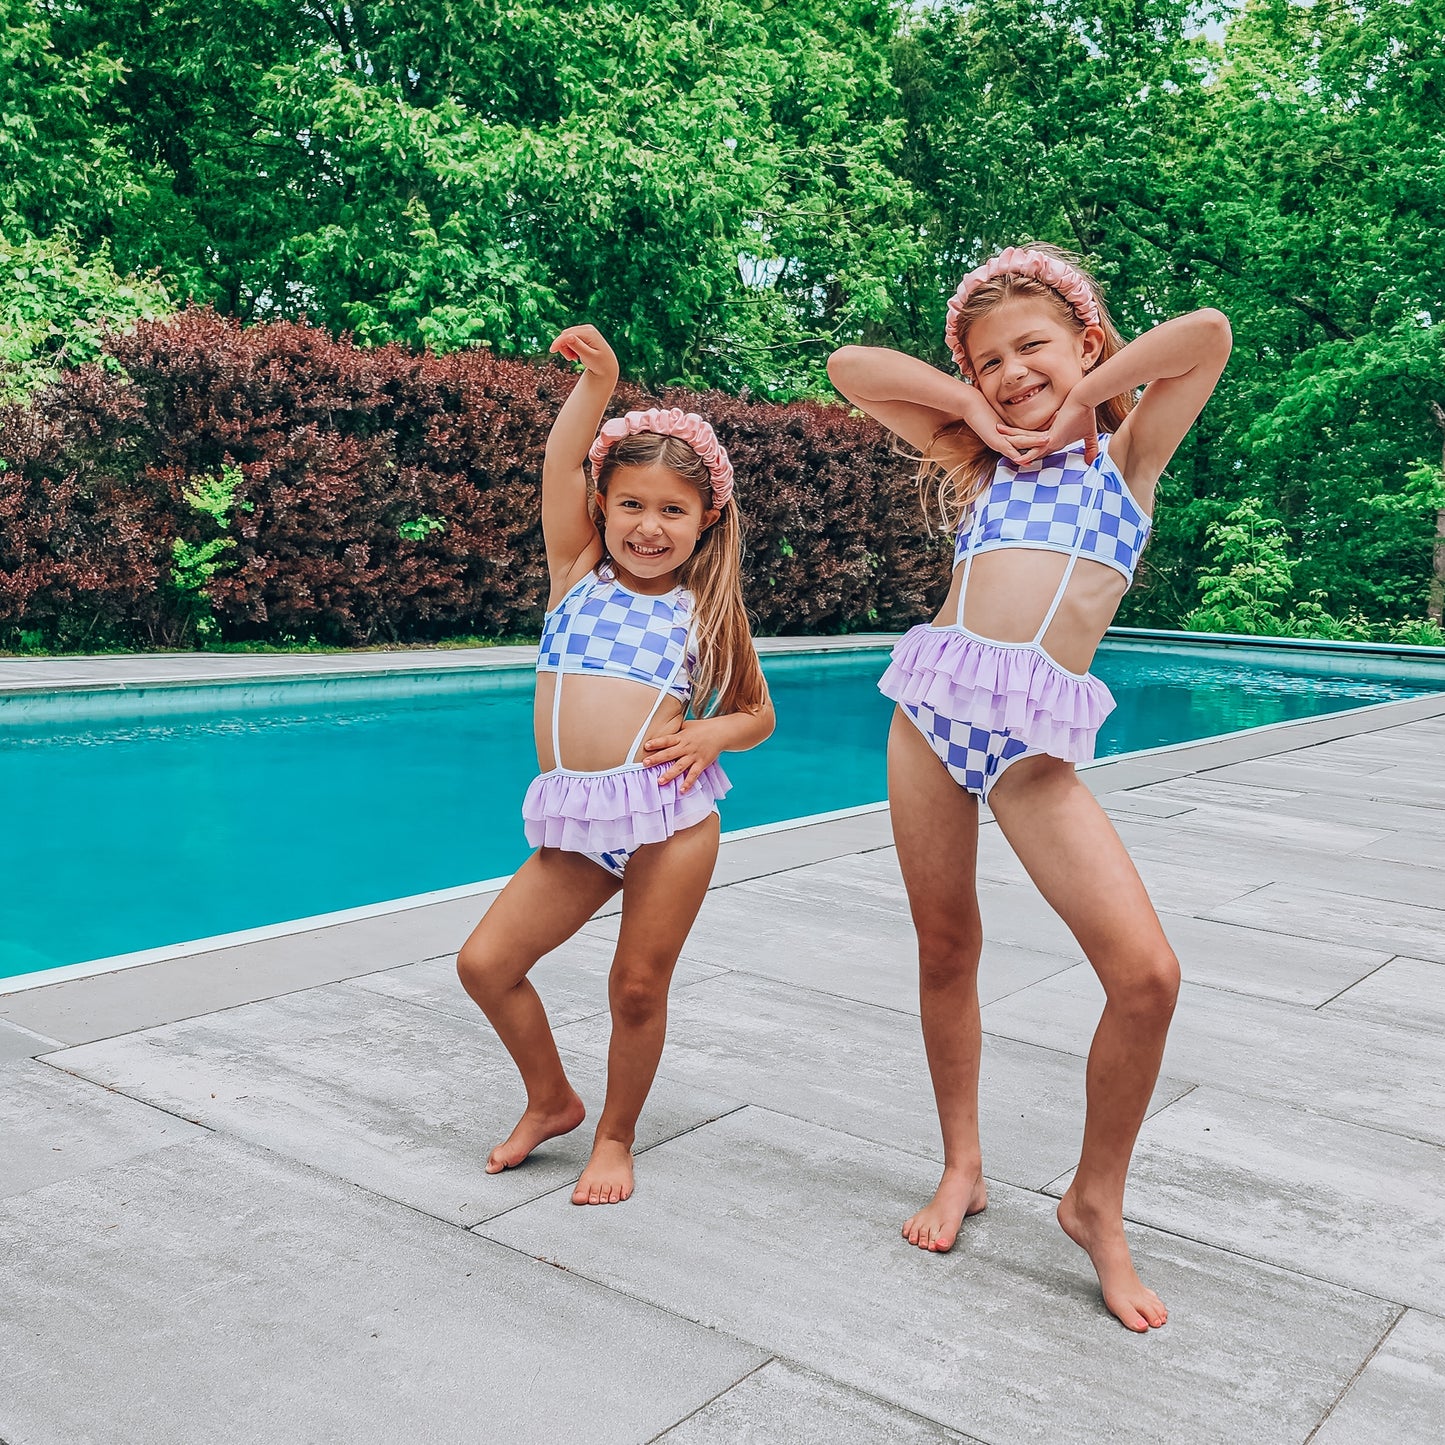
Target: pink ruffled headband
687	426
1067	280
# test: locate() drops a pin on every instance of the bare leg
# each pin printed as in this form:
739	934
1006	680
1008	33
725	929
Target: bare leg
1071	851
662	892
546	901
935	827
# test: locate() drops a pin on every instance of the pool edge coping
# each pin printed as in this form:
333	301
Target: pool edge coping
1133	770
271	667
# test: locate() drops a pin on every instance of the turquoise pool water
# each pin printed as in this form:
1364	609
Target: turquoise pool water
140	819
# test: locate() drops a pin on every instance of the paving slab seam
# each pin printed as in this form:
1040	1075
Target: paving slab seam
1271	1264
667	1430
134	1098
1350	1383
851	1388
636	1154
1223	1088
1044	1189
1392	959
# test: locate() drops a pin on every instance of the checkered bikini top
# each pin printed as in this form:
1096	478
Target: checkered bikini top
1060	504
600	627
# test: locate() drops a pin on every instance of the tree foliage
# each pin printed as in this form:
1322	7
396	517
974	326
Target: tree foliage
732	187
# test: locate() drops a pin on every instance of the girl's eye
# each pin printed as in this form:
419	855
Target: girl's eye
988	366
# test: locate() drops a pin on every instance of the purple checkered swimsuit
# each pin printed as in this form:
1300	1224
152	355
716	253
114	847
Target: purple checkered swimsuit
983	704
601	628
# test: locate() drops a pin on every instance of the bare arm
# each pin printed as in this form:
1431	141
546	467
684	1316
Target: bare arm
573	546
1178	364
697	742
913	399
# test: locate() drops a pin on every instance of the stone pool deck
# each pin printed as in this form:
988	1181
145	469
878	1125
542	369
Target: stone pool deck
241	1196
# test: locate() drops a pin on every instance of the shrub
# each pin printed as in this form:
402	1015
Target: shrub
385	495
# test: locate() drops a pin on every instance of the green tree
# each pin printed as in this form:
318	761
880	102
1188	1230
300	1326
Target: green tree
458	174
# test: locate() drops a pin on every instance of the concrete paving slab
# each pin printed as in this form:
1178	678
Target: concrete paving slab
1181	842
1416	848
1400	1397
55	1126
1004	1339
19	1043
1220	955
1267	965
1299	771
783	1403
1345	1068
217	1293
1340	917
861	1070
572	981
1335	1201
1407	993
1313	820
85	1009
767	853
1175	884
1132	804
809	928
404	1101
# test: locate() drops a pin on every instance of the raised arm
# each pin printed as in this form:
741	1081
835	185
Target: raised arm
1178	364
573	546
913	399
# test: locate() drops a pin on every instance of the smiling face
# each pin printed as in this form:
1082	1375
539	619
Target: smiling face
652	522
1026	359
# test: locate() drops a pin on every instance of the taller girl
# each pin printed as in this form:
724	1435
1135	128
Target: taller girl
646	673
1046	466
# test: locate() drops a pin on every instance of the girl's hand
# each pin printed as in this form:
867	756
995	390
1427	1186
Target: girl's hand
996	434
690	750
1072	421
586	344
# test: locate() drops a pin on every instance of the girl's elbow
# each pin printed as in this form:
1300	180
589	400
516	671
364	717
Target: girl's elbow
1216	328
844	367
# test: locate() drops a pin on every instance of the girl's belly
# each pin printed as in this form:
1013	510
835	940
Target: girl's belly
1009	592
599	720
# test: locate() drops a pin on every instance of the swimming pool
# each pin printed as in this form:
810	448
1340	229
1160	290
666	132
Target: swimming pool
147	817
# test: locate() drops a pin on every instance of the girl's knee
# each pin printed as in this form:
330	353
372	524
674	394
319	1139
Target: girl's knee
638	996
1152	989
949	952
476	968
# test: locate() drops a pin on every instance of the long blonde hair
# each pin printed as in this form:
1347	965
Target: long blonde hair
729	677
955	468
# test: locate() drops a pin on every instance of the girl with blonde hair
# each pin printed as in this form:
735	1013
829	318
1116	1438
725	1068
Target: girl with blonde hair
1046	455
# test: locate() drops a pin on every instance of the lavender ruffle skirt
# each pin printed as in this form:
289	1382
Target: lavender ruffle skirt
999	686
617	810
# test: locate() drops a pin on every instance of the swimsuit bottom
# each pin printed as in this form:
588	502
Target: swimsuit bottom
982	705
607	816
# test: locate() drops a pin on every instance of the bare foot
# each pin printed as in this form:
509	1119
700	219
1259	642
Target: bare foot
960	1192
533	1128
1101	1237
607	1179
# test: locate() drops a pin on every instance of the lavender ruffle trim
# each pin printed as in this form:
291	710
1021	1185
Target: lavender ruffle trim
612	811
998	687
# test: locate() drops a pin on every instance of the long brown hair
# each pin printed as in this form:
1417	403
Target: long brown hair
956	467
729	677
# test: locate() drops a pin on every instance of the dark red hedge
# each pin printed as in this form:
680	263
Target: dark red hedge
340	447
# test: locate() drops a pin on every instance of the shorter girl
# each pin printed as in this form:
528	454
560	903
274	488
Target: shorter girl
646	624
